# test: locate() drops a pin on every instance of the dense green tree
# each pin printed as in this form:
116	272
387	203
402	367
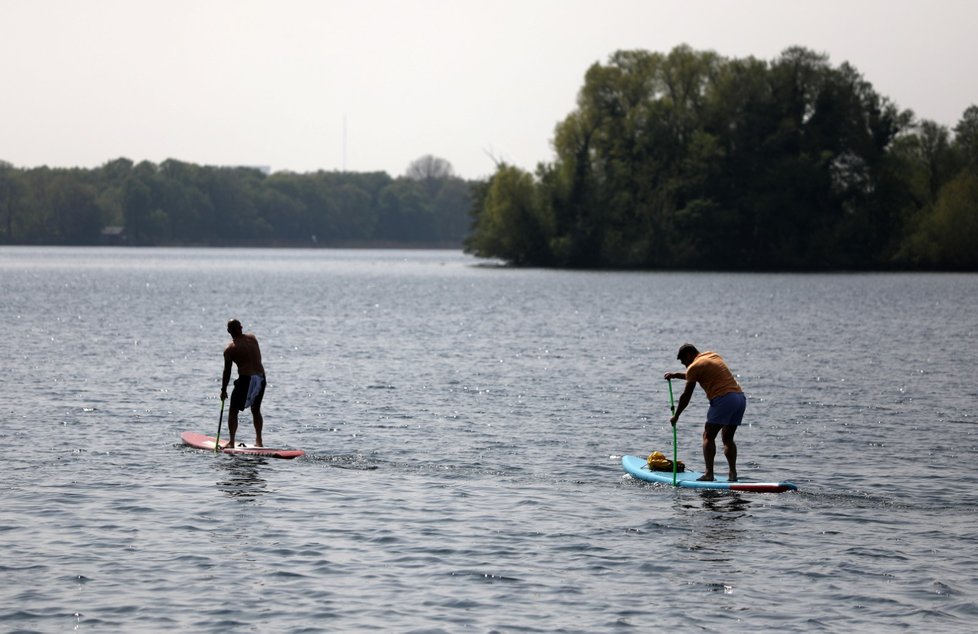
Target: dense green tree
11	191
75	216
691	160
966	137
286	213
448	226
404	210
145	222
946	236
510	224
182	203
943	224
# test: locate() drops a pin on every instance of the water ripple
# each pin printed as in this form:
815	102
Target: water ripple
464	427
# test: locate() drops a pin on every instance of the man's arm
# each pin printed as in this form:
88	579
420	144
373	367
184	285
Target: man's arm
226	377
683	400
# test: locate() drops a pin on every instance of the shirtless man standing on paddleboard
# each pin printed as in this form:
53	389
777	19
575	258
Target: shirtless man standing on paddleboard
727	403
249	387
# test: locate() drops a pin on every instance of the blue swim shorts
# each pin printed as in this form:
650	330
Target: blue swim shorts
727	409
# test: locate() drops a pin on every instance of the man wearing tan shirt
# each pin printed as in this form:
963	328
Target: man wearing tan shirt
727	403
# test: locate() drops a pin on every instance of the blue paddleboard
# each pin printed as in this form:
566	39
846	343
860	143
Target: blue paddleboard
639	468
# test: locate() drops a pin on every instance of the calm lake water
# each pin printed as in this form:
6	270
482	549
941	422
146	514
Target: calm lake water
464	425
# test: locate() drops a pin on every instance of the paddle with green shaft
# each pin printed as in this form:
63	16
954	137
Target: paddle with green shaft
217	441
675	460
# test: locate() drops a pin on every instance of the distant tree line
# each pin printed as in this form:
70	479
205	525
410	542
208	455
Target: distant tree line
177	203
691	160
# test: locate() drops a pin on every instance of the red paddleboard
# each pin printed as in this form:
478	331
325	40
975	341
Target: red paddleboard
207	442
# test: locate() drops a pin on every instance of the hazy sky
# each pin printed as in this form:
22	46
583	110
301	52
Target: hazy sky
368	85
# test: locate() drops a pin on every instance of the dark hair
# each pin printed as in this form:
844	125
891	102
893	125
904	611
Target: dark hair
234	325
687	348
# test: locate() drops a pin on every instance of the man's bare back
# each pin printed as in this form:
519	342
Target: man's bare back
246	354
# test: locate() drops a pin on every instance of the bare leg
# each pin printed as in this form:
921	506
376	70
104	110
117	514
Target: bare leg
730	450
232	426
256	414
709	449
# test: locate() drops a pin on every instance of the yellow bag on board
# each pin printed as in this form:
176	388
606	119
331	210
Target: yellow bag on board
659	462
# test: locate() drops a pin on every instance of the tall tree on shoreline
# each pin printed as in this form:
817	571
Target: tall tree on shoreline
691	160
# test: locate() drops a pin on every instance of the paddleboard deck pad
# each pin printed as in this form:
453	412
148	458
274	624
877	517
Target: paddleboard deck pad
201	441
639	468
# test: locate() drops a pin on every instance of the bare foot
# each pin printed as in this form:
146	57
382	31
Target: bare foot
732	478
706	477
